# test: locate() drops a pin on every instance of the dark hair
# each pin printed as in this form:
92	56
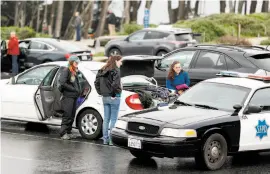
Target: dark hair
171	70
111	64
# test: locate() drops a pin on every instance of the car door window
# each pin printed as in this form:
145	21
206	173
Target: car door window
155	35
3	45
231	64
34	76
261	98
211	60
38	46
137	36
49	77
24	45
184	57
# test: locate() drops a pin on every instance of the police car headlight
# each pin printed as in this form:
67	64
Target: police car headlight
179	133
121	124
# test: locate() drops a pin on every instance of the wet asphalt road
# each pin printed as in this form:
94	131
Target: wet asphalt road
28	148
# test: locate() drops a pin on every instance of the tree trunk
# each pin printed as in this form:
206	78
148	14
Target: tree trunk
196	10
101	24
181	10
34	7
59	18
222	6
22	13
87	18
127	12
16	13
240	6
70	31
135	5
148	4
52	19
188	9
253	6
232	5
172	13
265	6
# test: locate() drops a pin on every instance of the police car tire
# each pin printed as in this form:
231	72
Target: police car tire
98	133
140	154
203	159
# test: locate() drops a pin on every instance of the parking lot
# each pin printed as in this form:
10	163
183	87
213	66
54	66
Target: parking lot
35	148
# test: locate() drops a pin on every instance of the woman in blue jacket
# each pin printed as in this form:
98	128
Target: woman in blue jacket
177	78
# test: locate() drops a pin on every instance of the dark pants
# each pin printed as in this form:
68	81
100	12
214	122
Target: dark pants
78	33
15	66
68	106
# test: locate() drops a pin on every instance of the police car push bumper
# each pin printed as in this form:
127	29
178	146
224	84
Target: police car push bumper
162	146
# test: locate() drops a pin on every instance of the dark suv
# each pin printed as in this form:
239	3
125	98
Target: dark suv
202	62
152	41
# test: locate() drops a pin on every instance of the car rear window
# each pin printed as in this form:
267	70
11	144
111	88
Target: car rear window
261	60
183	37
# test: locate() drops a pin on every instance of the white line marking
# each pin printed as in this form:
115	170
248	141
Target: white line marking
19	158
58	139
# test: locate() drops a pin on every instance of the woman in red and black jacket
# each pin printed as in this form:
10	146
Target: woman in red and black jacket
13	50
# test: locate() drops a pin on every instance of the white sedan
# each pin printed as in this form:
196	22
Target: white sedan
33	96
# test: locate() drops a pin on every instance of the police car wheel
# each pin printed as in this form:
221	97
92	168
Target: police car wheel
213	154
140	154
89	123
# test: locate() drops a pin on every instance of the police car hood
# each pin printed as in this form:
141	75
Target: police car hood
182	115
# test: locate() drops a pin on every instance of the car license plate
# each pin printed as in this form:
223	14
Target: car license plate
134	143
84	57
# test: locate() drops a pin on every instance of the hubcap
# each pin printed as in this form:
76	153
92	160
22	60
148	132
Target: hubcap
89	124
214	152
114	53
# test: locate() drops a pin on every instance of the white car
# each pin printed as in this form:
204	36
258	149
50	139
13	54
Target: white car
33	96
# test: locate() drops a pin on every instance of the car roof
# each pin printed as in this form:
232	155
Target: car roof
243	82
170	30
91	65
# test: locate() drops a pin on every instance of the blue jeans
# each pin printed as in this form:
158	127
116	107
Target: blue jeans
111	110
15	66
78	33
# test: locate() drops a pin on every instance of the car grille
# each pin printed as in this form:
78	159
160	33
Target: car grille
142	128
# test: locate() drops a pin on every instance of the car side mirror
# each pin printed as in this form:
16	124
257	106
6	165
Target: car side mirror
252	109
127	39
236	108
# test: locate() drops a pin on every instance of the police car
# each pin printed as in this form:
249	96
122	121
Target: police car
213	119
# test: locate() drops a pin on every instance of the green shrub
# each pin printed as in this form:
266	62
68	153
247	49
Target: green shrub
22	33
265	42
43	35
131	28
230	40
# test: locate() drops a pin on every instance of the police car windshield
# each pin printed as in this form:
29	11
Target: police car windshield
216	95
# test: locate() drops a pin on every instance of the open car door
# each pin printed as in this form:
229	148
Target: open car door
45	96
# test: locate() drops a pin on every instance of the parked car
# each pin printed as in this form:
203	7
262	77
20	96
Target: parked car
41	50
33	96
213	119
151	41
205	61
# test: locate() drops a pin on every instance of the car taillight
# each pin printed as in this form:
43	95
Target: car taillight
67	56
91	55
177	42
133	101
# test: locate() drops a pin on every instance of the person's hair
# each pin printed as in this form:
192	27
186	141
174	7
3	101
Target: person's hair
13	32
171	73
111	63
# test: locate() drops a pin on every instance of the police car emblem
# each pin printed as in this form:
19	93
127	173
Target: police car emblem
141	127
261	129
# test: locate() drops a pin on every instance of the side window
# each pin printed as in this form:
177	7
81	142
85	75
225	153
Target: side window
184	57
211	60
38	46
155	35
137	36
231	64
49	77
3	45
24	45
261	98
34	76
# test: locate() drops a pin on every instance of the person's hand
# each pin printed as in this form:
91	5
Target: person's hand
113	98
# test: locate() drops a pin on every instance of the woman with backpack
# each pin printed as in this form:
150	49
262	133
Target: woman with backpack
177	79
108	85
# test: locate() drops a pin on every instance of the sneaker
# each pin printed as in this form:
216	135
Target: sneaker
111	143
66	137
72	136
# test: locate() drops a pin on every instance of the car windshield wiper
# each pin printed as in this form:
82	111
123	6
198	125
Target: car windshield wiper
178	102
206	106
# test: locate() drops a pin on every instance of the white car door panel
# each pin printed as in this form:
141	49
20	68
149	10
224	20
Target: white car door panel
255	133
